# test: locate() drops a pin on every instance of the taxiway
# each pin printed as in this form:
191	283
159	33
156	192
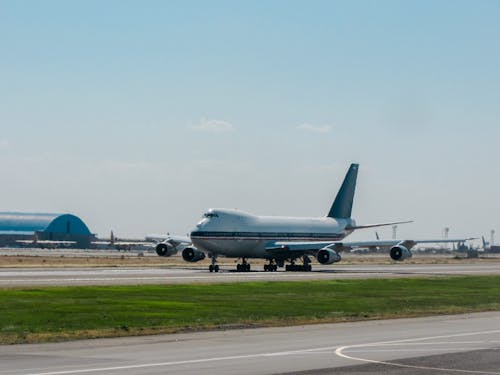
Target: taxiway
178	275
445	344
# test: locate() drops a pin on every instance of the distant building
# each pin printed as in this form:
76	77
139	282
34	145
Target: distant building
16	226
494	249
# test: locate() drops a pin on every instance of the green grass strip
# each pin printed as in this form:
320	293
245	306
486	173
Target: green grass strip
59	313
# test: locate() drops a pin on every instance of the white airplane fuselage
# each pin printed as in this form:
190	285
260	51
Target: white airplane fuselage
237	234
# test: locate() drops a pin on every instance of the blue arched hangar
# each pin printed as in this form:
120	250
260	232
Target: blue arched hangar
19	227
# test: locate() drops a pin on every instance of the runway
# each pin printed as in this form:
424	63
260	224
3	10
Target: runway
177	275
447	344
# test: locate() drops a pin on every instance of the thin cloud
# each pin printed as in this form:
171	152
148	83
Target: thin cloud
4	144
315	128
214	126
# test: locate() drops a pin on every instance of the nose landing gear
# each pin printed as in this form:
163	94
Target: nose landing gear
214	267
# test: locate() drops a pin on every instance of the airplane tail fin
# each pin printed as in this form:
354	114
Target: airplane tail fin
342	205
485	244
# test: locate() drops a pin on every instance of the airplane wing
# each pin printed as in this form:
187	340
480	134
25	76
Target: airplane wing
328	252
167	237
132	243
156	237
312	246
172	244
177	240
409	243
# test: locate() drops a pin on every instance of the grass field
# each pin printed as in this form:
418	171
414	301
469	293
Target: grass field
61	313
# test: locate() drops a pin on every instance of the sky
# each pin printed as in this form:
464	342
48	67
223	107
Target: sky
137	116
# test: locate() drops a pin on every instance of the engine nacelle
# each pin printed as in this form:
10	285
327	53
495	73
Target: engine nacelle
400	252
327	256
192	254
165	249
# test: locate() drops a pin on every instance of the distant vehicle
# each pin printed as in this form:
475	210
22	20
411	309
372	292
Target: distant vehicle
280	240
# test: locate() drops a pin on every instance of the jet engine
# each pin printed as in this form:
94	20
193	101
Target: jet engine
192	254
400	252
327	256
165	249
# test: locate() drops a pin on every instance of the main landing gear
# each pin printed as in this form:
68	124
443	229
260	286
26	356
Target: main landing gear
214	267
244	266
304	267
271	267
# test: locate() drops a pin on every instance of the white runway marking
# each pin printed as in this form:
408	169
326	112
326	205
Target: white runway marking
186	362
340	352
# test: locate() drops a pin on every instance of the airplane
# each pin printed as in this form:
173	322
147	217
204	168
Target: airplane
237	234
165	245
126	245
45	244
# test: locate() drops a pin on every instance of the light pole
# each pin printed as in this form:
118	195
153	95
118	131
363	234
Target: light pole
446	231
394	231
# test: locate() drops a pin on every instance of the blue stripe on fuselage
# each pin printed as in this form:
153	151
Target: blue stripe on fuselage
266	235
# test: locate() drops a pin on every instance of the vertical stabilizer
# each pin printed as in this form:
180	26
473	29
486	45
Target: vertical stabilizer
342	205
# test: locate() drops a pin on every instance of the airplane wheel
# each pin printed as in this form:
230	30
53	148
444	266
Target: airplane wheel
211	268
238	267
308	268
275	267
247	268
216	268
266	267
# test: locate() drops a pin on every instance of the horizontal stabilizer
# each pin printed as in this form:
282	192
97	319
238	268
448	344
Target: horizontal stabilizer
354	227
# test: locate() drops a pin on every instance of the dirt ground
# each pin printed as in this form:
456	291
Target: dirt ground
16	261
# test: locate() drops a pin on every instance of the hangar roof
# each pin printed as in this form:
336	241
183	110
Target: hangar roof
29	223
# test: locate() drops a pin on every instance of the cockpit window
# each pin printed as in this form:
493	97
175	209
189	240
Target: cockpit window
210	214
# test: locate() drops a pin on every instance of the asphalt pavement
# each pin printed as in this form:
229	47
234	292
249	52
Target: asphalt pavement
460	344
13	277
